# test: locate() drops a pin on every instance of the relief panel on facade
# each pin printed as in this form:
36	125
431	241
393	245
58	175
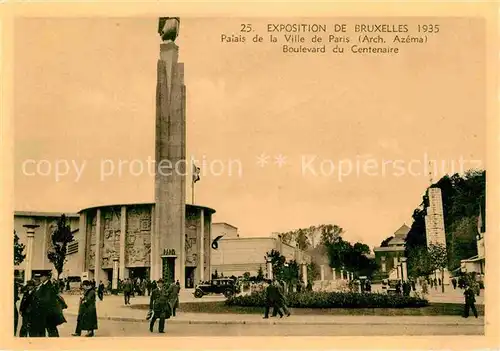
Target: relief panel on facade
138	236
111	236
191	239
208	243
92	229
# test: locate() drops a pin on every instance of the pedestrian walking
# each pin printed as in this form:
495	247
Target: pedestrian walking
174	297
470	300
87	313
281	300
272	300
159	307
26	308
100	290
48	306
454	283
127	290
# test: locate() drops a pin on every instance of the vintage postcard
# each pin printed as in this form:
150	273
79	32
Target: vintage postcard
181	173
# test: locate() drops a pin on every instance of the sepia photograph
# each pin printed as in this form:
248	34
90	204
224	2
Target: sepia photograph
249	176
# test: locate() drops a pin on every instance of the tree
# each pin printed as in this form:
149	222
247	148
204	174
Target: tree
439	259
312	272
385	242
61	237
330	233
19	255
462	243
419	263
291	273
277	262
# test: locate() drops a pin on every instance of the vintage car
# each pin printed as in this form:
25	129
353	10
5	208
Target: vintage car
226	286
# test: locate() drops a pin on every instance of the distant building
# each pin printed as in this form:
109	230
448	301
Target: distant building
236	255
36	257
224	229
387	257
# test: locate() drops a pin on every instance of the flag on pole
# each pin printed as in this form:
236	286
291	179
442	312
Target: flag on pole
196	173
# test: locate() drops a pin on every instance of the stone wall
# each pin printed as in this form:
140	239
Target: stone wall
138	236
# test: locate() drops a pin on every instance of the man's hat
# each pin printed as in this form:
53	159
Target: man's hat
160	281
45	274
30	283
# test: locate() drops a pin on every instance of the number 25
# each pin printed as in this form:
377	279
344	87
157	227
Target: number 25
246	28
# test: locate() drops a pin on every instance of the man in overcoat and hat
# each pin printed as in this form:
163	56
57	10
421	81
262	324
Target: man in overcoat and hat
87	313
26	309
47	314
160	306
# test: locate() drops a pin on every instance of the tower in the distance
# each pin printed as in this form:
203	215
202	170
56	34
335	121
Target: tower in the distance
167	244
434	220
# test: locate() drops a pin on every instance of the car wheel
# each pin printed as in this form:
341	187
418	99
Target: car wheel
198	294
228	293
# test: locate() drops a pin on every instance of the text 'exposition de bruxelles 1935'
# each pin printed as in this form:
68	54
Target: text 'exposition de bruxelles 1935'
334	38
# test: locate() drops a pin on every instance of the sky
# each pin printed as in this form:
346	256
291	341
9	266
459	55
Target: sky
85	97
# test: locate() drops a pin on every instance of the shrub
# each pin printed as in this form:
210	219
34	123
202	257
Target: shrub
321	299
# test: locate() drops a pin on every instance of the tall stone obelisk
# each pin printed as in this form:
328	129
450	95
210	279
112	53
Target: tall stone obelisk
167	248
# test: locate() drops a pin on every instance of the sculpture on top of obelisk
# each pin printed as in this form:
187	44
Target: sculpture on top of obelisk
168	28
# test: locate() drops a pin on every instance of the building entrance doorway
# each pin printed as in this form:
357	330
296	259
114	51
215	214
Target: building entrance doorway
139	272
168	269
189	276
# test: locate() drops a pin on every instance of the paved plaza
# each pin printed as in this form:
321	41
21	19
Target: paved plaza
109	328
116	319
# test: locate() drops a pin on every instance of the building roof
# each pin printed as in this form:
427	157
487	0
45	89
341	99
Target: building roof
226	224
402	231
390	248
210	210
45	214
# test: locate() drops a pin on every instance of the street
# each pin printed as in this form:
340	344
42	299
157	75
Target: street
108	328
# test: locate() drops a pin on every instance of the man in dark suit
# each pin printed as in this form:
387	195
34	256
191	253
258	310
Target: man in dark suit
100	290
272	299
47	314
160	306
174	296
127	290
470	300
26	309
